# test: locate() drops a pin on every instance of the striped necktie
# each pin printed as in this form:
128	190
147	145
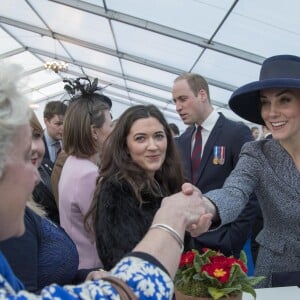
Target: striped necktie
196	154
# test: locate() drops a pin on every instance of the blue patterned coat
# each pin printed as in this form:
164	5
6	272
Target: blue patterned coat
147	281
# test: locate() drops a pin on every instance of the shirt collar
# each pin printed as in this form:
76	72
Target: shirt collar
48	138
210	121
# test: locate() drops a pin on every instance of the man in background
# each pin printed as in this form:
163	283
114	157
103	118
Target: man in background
255	133
54	113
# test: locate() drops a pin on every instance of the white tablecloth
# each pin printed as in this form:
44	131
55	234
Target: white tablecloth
283	293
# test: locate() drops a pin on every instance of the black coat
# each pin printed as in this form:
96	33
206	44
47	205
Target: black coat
120	222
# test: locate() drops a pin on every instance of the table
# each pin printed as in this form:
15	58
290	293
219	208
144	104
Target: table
281	293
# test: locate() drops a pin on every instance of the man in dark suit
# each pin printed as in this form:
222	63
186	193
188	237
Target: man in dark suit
222	140
54	113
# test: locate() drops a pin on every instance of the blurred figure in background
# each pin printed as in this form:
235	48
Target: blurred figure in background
255	133
54	120
174	129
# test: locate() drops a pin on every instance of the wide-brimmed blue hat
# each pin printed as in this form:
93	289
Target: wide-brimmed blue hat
281	71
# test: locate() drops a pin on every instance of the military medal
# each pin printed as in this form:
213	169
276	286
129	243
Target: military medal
215	159
219	155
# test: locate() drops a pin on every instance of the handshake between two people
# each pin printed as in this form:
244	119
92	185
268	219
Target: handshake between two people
190	207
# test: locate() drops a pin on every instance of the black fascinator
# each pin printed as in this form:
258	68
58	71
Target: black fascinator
82	87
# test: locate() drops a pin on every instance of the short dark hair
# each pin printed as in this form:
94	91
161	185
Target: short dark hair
53	108
174	128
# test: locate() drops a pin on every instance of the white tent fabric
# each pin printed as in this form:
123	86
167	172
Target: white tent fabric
138	47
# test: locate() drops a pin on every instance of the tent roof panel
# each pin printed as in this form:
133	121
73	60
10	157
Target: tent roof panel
137	47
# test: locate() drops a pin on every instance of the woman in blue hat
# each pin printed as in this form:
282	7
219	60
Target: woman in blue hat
270	168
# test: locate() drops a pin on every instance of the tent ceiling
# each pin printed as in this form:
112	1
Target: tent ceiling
138	47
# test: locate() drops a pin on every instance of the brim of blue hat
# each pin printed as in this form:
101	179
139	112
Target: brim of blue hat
245	101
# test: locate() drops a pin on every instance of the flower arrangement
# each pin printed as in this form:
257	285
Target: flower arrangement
213	275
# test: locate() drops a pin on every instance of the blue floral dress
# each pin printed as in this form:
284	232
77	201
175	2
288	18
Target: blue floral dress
147	280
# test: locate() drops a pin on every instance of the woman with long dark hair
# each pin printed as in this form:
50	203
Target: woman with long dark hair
139	167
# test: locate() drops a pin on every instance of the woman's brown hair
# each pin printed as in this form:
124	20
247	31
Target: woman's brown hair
81	115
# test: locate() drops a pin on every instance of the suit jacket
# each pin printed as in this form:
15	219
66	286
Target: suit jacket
266	168
232	135
47	154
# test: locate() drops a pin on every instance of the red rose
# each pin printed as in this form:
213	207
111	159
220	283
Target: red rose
187	259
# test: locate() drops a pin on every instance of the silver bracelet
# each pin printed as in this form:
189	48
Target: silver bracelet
172	232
